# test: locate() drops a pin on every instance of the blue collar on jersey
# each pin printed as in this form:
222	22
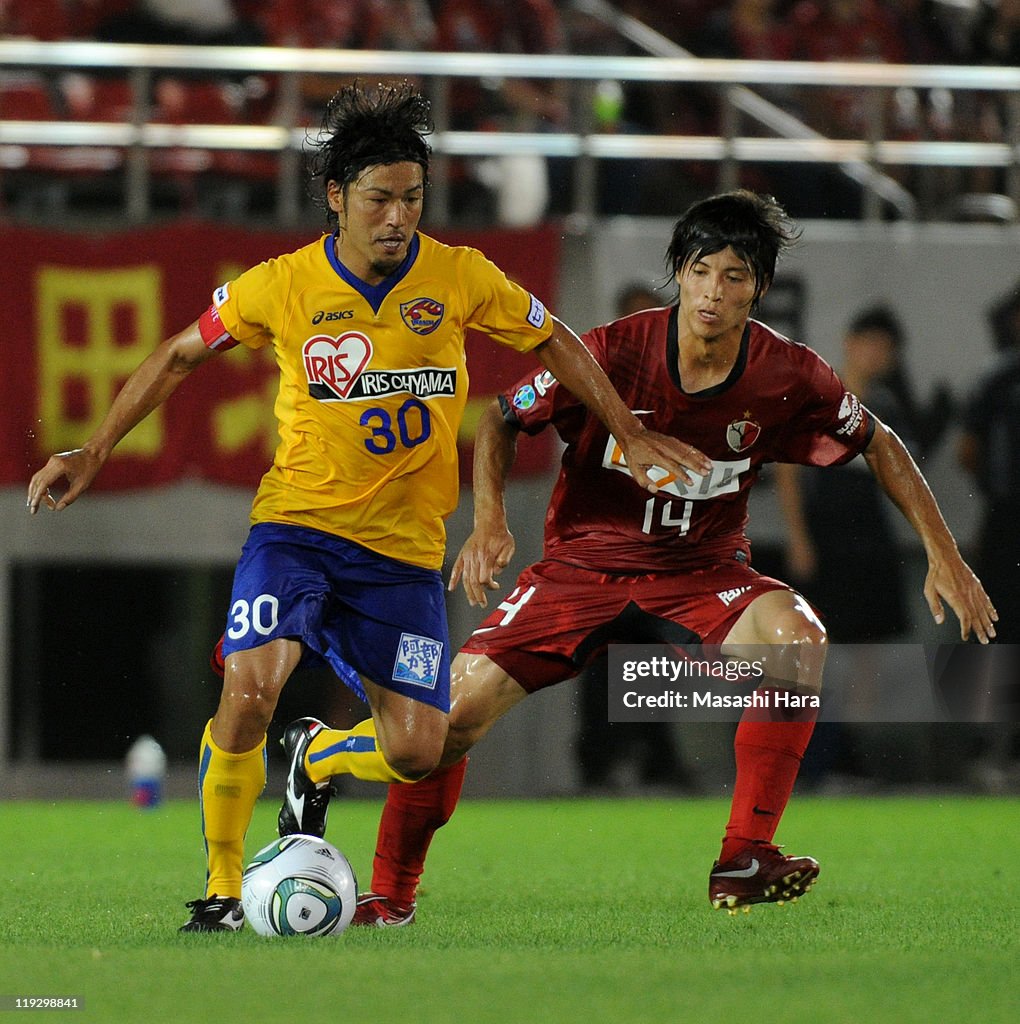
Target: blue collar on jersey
373	293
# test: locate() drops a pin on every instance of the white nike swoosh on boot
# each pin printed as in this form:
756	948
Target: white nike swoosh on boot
748	872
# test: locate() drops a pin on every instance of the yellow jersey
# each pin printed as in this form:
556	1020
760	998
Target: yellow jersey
373	384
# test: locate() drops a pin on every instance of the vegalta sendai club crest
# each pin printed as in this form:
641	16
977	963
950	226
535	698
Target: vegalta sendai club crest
422	315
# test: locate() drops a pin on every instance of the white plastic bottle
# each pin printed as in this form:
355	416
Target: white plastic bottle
146	771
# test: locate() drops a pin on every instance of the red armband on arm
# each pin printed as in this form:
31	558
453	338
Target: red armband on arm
214	334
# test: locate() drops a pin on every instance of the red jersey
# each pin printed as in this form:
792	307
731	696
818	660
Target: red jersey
780	403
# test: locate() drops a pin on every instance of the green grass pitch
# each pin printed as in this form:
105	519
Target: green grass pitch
537	911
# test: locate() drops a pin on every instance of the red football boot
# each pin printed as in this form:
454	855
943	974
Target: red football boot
760	874
375	911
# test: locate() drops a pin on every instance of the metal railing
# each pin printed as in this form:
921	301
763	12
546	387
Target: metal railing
864	159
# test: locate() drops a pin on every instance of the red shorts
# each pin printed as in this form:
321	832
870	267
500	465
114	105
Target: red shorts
560	618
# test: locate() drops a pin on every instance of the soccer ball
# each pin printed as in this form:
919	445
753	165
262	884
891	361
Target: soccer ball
299	885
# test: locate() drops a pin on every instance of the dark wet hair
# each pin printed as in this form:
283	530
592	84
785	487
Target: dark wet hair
757	228
363	128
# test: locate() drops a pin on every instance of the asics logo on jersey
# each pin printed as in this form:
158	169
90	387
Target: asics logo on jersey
332	314
422	315
724	477
729	596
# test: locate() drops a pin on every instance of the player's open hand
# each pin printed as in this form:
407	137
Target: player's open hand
655	459
485	554
952	579
76	468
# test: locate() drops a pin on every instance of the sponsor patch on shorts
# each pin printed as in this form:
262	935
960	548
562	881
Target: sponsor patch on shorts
418	660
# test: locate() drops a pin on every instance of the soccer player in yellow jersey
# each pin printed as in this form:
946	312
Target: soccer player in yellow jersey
367	325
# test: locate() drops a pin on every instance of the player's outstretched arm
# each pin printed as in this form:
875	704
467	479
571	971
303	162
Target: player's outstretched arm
148	387
949	577
575	367
487	552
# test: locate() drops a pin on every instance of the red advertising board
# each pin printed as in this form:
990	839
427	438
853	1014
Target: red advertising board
80	311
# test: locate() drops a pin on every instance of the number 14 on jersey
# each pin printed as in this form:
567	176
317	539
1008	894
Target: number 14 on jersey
666	517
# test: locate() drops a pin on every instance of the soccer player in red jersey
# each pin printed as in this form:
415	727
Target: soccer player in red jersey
622	565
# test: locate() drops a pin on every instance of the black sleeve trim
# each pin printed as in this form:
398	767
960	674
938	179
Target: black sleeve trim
871	429
509	413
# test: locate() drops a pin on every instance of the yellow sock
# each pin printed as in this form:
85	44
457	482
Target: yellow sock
355	751
228	785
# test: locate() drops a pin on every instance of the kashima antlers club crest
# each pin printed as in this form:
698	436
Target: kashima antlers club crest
741	434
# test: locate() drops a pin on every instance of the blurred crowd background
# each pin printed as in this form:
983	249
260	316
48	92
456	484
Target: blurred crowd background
833	534
968	32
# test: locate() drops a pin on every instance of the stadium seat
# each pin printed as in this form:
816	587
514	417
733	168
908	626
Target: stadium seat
29	169
206	178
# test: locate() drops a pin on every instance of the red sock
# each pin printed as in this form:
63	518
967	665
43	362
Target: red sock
768	755
409	820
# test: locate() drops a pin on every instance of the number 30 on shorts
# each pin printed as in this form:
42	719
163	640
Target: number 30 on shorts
262	615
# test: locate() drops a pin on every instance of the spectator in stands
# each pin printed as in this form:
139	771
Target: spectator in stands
758	30
86	16
624	183
994	41
844	30
401	25
182	22
841	538
840	532
357	24
931	32
680	21
46	20
995	34
489	26
989	450
353	25
749	30
515	189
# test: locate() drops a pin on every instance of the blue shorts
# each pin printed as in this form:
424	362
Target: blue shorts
357	610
